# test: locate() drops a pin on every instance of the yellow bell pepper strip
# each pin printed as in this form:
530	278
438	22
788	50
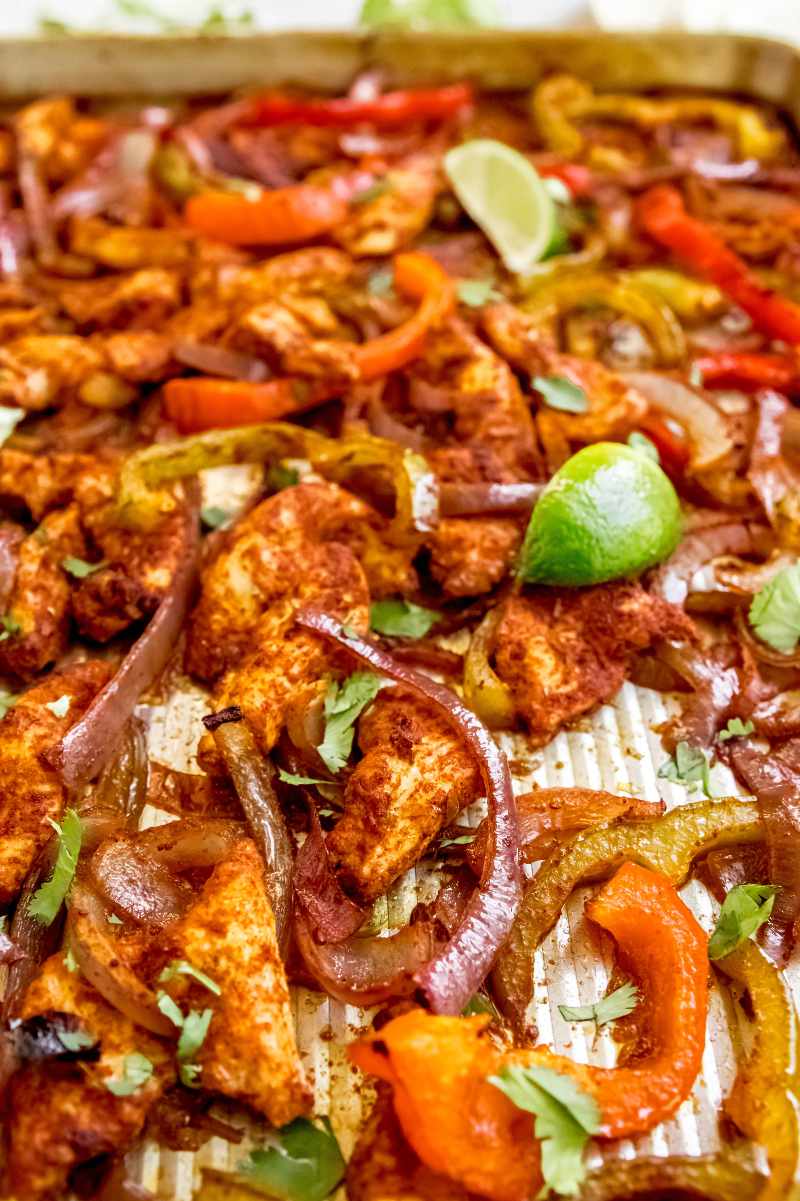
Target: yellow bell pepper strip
417	276
199	403
562	100
550	300
280	217
765	1100
688	298
729	1175
440	1068
485	693
667	845
664	217
143	495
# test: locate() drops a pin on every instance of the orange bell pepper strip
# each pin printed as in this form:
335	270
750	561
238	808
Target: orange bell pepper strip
200	403
281	217
663	216
417	276
438	1066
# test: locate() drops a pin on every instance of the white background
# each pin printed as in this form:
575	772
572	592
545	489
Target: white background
779	17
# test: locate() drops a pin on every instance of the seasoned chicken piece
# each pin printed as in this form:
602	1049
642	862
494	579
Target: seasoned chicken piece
563	652
128	249
39	483
383	1167
40	368
284	659
614	405
138	355
249	1052
394	218
62	1114
30	791
62	140
494	441
414	778
139	299
265	559
37	612
310	271
287	338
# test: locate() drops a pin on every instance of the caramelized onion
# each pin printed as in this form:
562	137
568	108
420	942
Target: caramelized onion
769	474
116	801
330	915
219	360
98	955
87	747
463	500
728	867
716	686
456	970
193	842
253	778
368	971
779	716
36	205
671	580
33	938
135	886
704	423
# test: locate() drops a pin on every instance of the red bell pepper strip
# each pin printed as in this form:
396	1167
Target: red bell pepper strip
673	451
392	108
205	403
460	1125
749	372
280	217
419	277
576	177
663	216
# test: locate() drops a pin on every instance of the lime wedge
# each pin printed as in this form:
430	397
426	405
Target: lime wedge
607	513
505	195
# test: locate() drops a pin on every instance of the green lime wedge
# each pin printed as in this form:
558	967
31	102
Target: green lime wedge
505	195
609	512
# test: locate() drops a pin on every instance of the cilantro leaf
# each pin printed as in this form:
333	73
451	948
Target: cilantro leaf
9	420
689	766
11	627
743	912
736	728
375	190
479	1005
70	962
303	1163
79	568
616	1005
76	1040
181	967
775	610
47	900
113	920
59	708
477	292
561	393
214	517
641	442
136	1071
429	14
280	477
381	282
565	1118
463	840
343	704
401	619
169	1008
193	1032
7	701
288	778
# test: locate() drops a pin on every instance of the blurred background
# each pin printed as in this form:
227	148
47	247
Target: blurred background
780	18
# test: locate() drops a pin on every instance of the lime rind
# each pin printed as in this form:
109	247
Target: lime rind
505	195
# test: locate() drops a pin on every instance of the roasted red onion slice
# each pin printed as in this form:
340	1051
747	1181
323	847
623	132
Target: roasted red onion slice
778	716
192	842
463	500
135	886
9	951
330	915
11	538
88	746
253	778
775	779
33	938
671	580
716	686
367	971
116	801
36	204
457	970
218	360
769	473
727	867
94	946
